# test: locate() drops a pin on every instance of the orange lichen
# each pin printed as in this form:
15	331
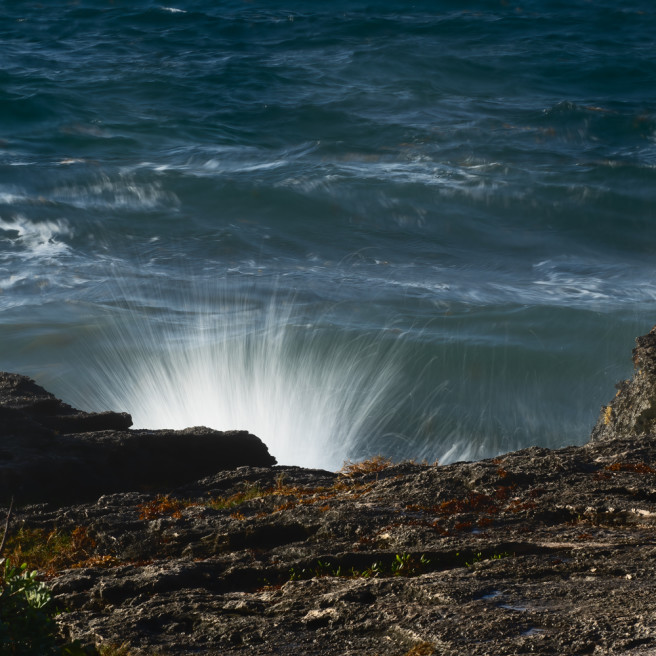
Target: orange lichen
80	539
288	505
517	505
608	415
502	492
633	467
473	503
421	649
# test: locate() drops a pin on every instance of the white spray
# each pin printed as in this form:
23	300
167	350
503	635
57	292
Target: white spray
309	392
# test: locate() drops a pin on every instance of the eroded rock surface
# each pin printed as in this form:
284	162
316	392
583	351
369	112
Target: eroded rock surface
633	410
547	552
539	551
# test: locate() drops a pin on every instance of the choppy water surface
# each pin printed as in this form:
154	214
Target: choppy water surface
410	229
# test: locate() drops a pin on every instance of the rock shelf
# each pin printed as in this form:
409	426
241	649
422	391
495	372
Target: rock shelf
538	551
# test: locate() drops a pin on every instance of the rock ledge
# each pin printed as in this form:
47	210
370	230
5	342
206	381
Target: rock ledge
538	551
53	452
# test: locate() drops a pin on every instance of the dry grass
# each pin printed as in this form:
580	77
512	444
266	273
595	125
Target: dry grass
249	492
633	467
421	649
54	550
369	466
161	506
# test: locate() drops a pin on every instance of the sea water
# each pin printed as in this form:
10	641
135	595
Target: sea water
416	229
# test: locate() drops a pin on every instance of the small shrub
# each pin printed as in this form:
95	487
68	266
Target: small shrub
404	564
161	506
370	466
407	565
250	492
480	557
633	467
422	649
51	551
27	625
476	559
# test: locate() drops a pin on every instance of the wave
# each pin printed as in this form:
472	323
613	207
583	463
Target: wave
35	239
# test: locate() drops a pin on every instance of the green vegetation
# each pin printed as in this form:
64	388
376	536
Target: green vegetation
250	491
54	550
402	565
480	557
27	611
407	565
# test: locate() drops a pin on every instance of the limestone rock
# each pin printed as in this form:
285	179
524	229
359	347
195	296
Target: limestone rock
633	410
538	551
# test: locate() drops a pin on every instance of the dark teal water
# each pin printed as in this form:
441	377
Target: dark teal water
415	229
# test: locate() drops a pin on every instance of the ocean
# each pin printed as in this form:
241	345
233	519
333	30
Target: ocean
416	229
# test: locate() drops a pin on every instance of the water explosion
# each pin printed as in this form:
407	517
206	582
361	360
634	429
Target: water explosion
315	395
318	382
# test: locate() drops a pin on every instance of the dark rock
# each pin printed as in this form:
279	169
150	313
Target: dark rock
28	400
51	451
538	551
471	558
633	410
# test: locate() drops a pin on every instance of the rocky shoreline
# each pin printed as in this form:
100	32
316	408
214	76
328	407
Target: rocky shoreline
210	548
